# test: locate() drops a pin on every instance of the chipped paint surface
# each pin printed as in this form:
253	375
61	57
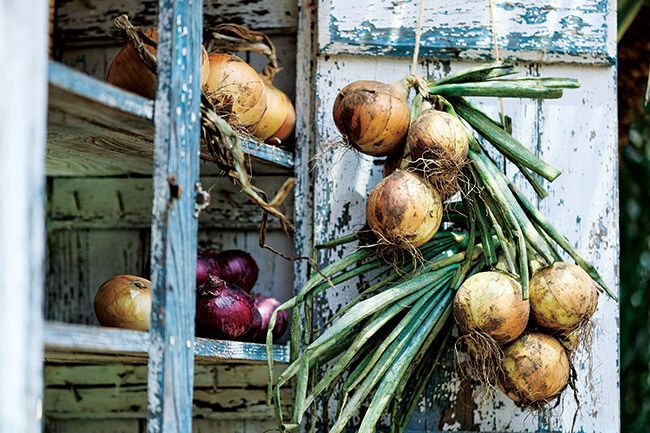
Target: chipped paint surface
561	131
559	31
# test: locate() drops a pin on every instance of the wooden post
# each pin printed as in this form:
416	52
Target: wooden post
23	91
174	223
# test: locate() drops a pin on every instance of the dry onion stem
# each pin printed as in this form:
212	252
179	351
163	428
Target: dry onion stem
221	139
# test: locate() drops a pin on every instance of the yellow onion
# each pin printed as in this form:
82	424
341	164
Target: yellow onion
404	209
437	142
373	116
562	297
124	301
279	118
235	87
128	72
535	368
491	303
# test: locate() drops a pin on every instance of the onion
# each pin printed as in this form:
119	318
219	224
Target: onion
403	209
129	73
279	118
223	310
204	266
562	297
265	306
124	301
236	267
437	142
491	303
235	87
535	368
373	116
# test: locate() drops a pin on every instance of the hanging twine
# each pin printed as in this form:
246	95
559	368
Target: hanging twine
495	50
421	84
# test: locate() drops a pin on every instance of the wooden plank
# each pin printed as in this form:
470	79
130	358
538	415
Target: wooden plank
174	223
91	22
572	32
95	129
582	205
229	375
22	194
125	203
207	350
53	425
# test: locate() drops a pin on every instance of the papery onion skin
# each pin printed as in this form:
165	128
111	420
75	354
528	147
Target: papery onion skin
279	118
535	368
223	311
234	87
236	267
265	306
373	116
129	73
562	297
124	301
437	143
404	210
491	303
204	266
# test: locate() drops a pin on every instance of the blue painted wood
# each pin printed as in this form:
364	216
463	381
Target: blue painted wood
267	153
572	31
209	350
174	225
98	91
22	196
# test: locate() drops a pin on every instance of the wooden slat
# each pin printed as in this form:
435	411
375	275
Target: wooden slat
95	129
573	32
23	92
208	350
125	203
91	22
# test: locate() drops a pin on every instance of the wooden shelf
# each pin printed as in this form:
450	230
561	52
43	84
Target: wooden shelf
66	342
96	129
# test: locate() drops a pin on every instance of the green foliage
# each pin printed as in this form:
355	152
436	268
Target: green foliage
635	277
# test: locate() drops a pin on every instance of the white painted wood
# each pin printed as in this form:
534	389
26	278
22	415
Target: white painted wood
23	91
577	134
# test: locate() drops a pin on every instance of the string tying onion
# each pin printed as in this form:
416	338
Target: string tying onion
373	116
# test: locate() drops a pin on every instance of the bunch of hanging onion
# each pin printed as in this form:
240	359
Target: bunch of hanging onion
373	116
404	210
128	71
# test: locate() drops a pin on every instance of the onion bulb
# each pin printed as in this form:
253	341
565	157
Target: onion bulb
279	118
236	267
124	301
264	307
535	368
234	87
404	210
491	303
223	310
562	297
437	142
128	72
373	116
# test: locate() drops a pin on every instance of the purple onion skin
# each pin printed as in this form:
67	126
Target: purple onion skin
265	307
236	267
223	311
204	265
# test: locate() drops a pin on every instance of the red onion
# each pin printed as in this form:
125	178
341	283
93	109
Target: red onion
236	267
265	307
223	310
204	265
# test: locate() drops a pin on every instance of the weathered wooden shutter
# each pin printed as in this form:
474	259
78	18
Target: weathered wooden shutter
369	39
